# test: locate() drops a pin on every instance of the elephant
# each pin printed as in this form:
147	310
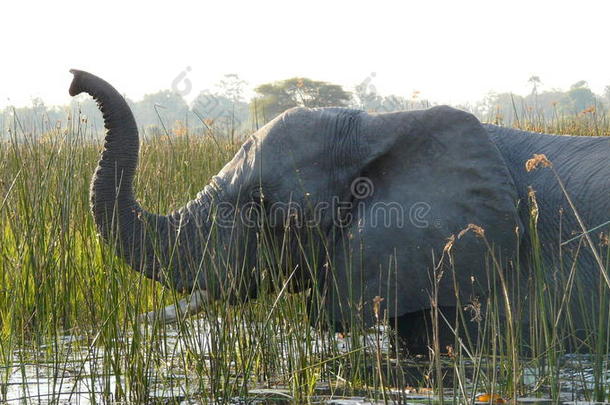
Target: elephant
409	207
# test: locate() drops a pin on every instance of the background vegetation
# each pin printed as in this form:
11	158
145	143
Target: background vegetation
226	111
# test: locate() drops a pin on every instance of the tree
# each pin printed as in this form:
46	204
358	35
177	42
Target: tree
275	98
501	108
162	108
535	82
365	94
232	87
579	97
579	85
227	115
225	109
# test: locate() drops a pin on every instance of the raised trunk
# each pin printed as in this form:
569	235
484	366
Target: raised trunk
152	244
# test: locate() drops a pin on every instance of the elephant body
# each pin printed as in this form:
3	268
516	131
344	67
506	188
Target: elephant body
581	163
445	201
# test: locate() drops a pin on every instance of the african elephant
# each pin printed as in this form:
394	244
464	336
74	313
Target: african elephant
387	193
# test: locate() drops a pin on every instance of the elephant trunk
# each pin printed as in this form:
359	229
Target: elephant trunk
145	240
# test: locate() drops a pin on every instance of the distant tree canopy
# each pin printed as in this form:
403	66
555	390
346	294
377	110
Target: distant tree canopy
221	112
224	111
508	108
275	98
162	108
579	97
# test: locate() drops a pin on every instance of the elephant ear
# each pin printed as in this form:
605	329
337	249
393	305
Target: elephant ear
428	175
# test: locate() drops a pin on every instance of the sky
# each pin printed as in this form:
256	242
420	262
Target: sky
449	51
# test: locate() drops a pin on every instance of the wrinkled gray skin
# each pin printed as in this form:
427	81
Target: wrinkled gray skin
582	163
441	159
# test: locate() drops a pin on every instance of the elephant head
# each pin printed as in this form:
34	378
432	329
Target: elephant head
300	172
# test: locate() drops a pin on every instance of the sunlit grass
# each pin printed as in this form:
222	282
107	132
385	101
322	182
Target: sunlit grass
68	306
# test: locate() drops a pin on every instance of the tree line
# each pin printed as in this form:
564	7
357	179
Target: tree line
225	111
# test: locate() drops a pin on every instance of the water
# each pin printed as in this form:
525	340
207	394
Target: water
71	370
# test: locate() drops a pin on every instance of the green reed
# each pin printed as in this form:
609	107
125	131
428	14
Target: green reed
57	280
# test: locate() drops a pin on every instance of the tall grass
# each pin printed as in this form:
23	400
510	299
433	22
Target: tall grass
69	307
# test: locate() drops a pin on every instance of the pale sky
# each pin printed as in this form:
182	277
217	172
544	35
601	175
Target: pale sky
450	51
